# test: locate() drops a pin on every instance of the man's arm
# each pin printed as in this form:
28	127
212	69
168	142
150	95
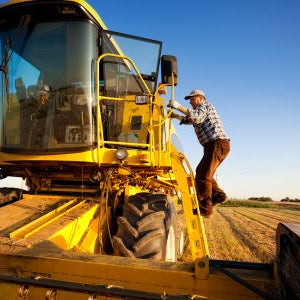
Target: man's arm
183	109
176	116
196	116
174	104
183	119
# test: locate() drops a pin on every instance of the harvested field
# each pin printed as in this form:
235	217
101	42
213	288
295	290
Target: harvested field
246	233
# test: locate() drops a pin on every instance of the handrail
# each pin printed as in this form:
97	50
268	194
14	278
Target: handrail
151	145
195	200
192	176
161	122
164	119
100	134
125	58
172	98
125	143
172	92
150	129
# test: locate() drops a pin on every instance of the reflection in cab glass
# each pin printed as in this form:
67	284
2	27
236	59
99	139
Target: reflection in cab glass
122	120
47	85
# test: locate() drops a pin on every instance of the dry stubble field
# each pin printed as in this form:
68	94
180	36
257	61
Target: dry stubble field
236	231
246	233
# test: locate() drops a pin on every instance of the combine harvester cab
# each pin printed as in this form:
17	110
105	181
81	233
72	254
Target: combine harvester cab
83	121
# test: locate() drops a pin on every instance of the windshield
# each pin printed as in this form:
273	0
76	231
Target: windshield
47	85
144	53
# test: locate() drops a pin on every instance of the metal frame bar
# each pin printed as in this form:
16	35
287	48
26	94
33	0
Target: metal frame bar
189	205
241	265
243	282
100	289
163	279
39	223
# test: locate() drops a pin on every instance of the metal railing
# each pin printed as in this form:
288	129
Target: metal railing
101	142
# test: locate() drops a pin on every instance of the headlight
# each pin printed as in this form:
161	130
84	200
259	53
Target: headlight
121	154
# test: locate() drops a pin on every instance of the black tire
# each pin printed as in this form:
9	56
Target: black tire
143	228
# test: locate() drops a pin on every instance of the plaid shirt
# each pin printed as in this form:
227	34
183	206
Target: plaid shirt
207	123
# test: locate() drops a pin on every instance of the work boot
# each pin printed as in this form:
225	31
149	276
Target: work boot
206	208
218	198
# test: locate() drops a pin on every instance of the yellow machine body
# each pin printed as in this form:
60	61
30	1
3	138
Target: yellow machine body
88	150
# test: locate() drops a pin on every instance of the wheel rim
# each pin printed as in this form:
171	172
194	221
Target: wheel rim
171	245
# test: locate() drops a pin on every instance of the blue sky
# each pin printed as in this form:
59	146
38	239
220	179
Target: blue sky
245	56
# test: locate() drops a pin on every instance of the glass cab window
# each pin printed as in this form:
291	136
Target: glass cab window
122	120
47	85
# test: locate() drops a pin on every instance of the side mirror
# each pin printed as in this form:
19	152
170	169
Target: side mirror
169	66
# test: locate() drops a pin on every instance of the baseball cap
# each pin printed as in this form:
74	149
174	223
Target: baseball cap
194	93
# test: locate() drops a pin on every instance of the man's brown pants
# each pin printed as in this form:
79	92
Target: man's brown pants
214	153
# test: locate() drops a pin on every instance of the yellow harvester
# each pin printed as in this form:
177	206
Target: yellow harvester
110	195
